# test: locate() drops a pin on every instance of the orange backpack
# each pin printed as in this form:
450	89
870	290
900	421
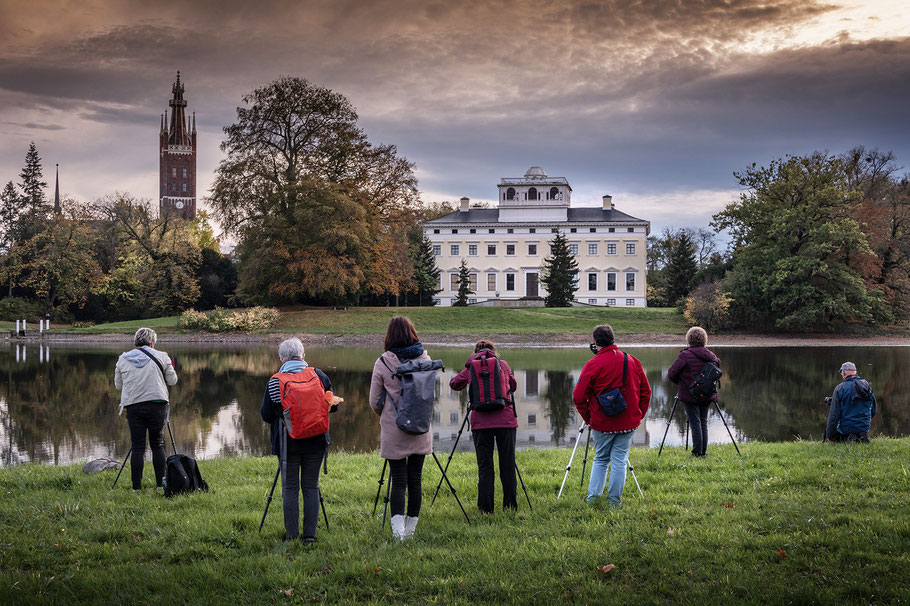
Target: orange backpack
303	402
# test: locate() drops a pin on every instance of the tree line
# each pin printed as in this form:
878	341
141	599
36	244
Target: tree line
319	215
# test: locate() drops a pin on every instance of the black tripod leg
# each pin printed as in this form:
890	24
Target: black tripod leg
173	443
672	410
687	432
388	491
451	454
520	479
269	500
451	488
125	459
322	504
728	429
381	480
584	463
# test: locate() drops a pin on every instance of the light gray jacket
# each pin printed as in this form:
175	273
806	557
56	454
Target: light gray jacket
394	444
140	380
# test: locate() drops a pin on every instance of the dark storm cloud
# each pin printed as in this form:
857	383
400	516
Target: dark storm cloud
625	95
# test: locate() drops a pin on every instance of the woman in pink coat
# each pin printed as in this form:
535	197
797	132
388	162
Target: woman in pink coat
405	452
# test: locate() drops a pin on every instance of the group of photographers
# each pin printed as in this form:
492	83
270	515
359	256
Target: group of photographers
612	396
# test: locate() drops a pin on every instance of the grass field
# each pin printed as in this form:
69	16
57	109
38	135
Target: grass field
450	320
785	523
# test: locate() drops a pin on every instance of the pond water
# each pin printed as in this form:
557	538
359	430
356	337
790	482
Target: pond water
58	403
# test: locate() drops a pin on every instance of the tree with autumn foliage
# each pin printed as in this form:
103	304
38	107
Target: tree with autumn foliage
320	213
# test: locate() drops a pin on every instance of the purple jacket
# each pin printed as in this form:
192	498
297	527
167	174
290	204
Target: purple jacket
488	420
686	367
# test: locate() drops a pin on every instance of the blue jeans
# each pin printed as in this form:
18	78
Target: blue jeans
612	449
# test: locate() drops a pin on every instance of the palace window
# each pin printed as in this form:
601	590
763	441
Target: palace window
573	250
510	249
611	249
491	249
630	302
532	230
491	282
510	281
435	231
472	249
631	230
453	250
592	301
593	230
630	249
454	231
510	194
472	230
532	249
611	302
630	280
611	281
492	231
532	194
592	281
612	229
554	194
437	250
592	249
453	282
573	230
472	282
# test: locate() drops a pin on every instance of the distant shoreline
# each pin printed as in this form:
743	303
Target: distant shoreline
502	340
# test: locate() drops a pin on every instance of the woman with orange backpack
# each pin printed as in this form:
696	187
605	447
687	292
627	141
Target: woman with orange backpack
493	420
296	403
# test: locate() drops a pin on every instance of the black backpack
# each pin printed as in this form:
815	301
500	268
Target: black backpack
414	411
704	385
182	475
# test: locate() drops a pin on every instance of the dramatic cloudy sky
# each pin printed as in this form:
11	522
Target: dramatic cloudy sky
656	102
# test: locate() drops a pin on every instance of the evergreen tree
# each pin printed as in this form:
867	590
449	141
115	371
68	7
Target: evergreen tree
681	269
32	186
464	286
10	209
426	274
559	274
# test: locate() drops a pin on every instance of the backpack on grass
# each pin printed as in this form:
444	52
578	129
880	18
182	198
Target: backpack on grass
487	391
303	404
182	475
704	385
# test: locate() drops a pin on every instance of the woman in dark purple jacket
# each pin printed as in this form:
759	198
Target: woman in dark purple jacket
486	427
683	372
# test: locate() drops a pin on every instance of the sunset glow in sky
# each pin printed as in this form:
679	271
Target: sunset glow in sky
656	103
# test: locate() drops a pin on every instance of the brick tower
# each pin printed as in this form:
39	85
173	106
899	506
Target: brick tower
177	145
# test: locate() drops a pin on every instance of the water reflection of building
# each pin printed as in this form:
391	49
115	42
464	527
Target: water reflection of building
546	415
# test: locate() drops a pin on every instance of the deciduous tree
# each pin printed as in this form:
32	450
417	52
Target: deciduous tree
794	235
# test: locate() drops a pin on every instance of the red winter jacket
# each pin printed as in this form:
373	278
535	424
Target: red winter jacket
686	367
604	372
488	420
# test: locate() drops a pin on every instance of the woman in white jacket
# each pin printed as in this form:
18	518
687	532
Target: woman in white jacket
142	375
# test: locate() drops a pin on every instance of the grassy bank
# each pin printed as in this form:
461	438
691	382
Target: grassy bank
795	522
450	320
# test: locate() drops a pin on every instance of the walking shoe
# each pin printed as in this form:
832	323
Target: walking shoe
308	540
398	527
410	525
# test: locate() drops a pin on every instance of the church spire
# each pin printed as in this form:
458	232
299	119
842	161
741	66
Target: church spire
177	134
57	209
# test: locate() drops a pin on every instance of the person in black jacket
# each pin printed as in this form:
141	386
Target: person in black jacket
303	457
682	372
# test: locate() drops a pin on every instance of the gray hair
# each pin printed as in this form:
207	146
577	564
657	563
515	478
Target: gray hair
291	349
145	336
696	337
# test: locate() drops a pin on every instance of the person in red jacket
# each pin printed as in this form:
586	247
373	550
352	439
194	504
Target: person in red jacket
495	425
612	434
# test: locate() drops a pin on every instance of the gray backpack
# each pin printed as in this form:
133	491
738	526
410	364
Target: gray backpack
418	394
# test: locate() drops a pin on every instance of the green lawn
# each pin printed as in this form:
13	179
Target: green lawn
785	523
447	320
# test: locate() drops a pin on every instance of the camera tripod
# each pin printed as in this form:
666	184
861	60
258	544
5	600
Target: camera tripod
167	416
452	453
673	410
584	464
388	491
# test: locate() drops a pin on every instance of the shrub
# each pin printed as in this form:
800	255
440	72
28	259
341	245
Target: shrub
17	308
225	320
707	306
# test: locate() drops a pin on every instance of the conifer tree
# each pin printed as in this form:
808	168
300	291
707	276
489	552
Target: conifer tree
32	186
10	209
559	274
426	274
464	286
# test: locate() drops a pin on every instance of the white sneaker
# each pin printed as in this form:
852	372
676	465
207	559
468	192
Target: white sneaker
398	527
410	525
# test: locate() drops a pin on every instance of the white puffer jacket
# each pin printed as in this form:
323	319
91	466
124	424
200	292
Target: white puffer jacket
140	380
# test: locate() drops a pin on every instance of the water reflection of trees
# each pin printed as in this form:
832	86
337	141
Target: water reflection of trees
66	408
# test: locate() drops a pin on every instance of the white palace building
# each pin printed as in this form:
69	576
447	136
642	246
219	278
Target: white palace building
505	247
